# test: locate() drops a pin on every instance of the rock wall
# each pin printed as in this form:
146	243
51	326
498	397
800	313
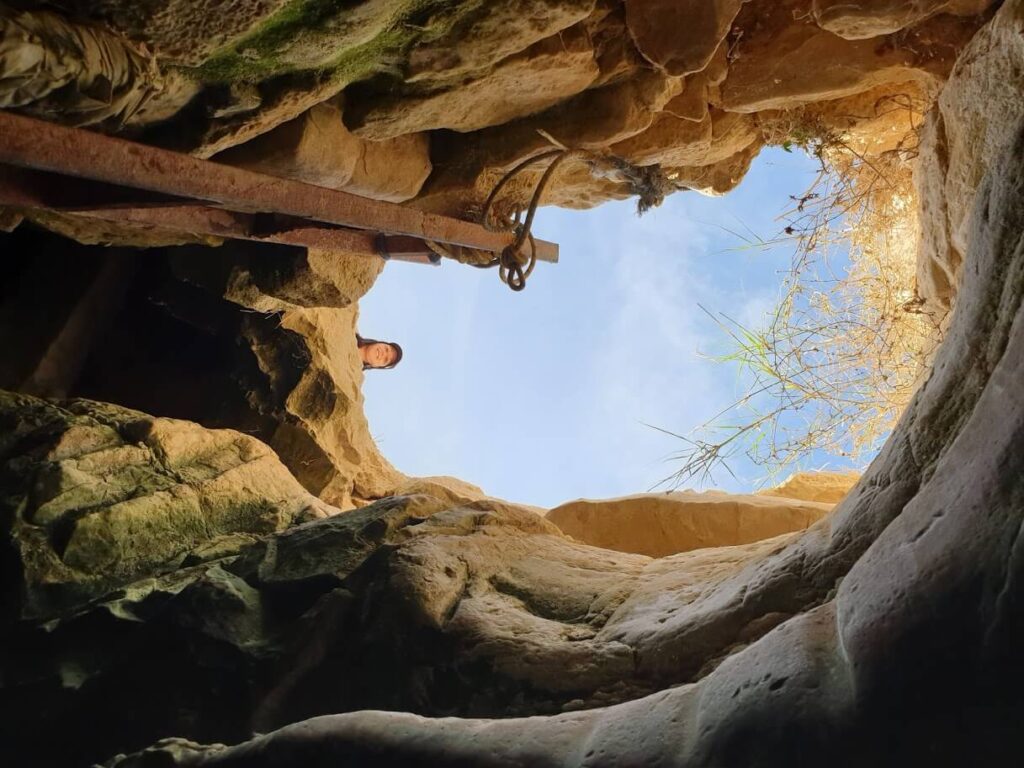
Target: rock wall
696	88
886	634
164	577
662	524
132	539
964	133
262	340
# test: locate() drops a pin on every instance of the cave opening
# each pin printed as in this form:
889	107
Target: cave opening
208	556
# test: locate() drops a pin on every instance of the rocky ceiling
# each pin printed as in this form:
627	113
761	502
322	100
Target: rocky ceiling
202	544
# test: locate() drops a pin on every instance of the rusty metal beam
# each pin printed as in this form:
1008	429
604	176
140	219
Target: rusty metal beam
29	143
31	190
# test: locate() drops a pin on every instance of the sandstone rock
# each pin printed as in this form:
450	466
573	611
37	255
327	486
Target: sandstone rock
616	54
72	73
972	125
469	166
680	36
782	63
872	18
182	32
97	497
821	487
938	261
886	118
320	430
543	75
318	149
280	103
306	378
661	524
843	644
670	140
278	278
717	178
489	33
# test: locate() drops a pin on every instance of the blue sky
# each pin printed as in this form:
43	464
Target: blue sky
542	396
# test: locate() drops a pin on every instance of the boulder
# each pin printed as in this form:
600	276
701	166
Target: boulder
662	524
873	18
969	128
318	149
97	497
680	36
543	75
887	631
820	487
782	64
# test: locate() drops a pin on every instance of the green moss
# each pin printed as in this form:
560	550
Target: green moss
257	56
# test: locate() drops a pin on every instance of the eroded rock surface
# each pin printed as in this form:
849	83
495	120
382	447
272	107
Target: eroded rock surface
164	579
886	634
471	606
97	497
823	487
661	524
964	133
442	98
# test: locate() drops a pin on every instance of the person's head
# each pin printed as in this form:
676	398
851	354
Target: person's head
379	354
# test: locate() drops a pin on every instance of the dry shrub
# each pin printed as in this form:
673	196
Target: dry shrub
838	359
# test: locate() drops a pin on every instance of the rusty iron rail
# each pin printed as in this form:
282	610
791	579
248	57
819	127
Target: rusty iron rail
28	190
35	144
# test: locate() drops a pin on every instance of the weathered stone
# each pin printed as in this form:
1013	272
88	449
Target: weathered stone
98	496
821	487
670	140
490	33
469	166
318	149
780	63
540	77
183	32
971	126
717	178
872	18
887	118
845	644
662	524
74	73
279	105
680	36
321	432
277	278
306	379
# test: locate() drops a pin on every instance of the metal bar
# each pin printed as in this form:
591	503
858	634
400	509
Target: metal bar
31	143
27	190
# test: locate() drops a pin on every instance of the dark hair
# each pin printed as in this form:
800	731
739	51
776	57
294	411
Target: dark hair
361	342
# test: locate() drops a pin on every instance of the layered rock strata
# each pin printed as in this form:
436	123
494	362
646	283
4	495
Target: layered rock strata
662	524
696	88
886	634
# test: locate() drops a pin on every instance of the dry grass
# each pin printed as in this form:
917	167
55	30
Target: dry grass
838	359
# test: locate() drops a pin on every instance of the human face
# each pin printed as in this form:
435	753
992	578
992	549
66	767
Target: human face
379	355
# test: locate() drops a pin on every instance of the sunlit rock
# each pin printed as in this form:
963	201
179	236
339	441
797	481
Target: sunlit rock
317	148
973	121
822	487
661	524
680	36
871	18
543	75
